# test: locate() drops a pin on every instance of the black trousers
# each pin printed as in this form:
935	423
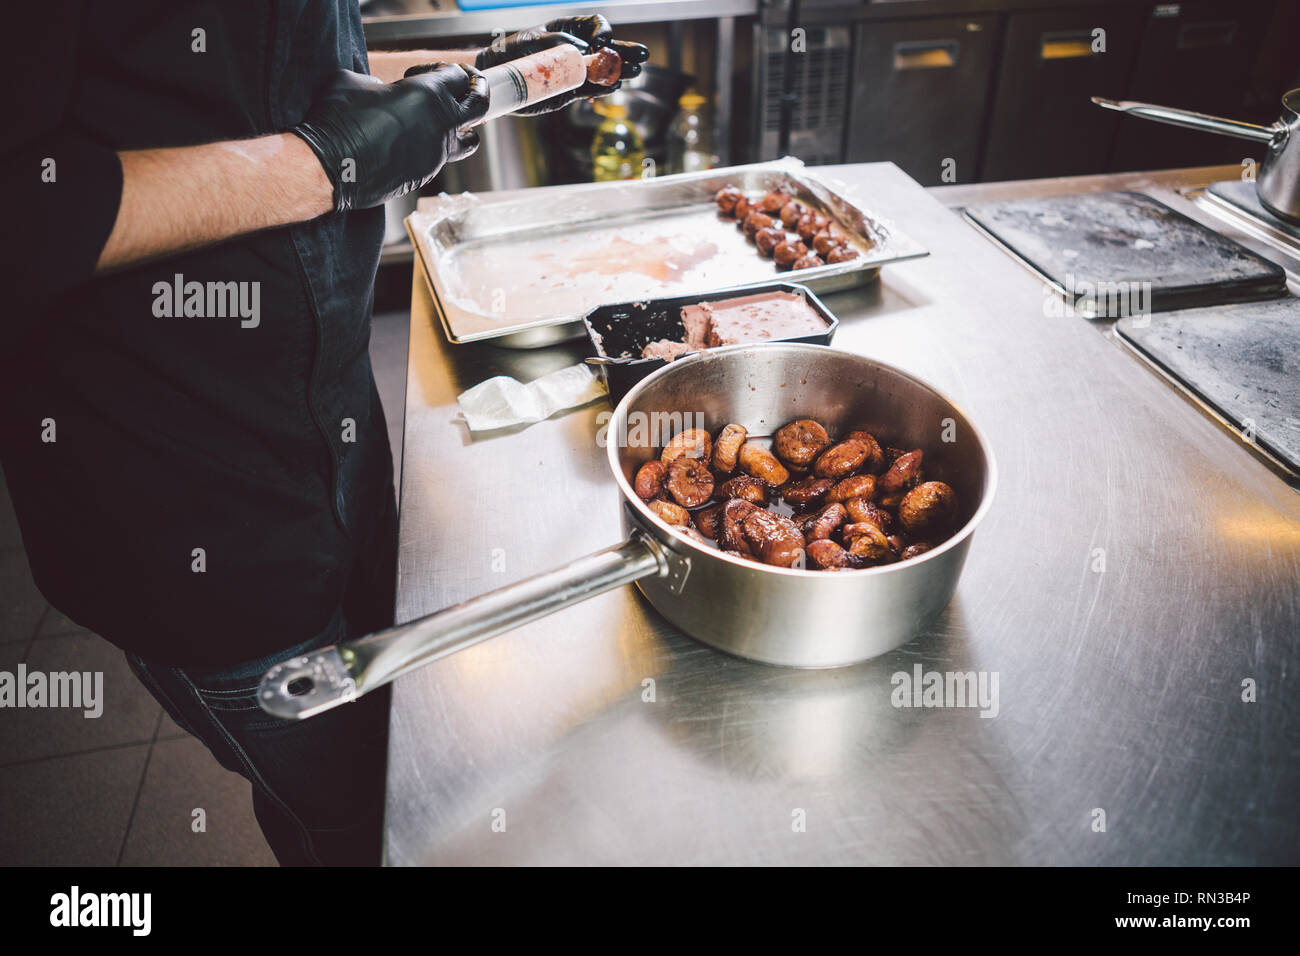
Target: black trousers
318	784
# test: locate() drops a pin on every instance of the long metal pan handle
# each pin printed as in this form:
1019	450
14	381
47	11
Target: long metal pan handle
1190	120
305	686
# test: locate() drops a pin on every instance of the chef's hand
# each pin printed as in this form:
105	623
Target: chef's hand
377	140
588	34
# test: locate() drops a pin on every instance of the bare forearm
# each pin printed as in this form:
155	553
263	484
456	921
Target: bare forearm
391	65
191	196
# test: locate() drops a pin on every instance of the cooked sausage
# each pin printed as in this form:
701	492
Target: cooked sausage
824	523
868	542
902	474
862	510
727	447
669	512
809	261
842	253
745	487
741	209
791	213
875	462
807	492
689	481
928	509
914	551
789	252
841	459
686	531
693	442
826	240
773	538
726	199
707	520
799	442
768	239
855	486
731	535
604	67
755	221
762	464
773	202
650	479
828	555
809	225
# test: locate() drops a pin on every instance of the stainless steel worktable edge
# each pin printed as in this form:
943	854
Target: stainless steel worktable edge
1138	570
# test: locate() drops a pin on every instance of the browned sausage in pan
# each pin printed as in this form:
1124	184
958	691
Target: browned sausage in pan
824	523
727	447
693	442
707	520
745	487
650	479
875	462
669	512
828	555
799	442
841	459
902	474
757	461
731	536
860	509
855	486
807	492
928	510
773	538
689	481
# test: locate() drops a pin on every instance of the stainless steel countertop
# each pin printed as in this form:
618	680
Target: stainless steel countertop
1119	690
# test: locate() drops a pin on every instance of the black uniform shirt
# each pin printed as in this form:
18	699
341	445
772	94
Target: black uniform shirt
200	502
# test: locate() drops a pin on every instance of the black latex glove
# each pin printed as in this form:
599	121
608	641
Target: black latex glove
588	34
377	140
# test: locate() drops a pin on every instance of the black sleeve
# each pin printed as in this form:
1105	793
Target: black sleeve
62	188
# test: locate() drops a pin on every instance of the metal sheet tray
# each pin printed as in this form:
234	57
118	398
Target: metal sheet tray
526	269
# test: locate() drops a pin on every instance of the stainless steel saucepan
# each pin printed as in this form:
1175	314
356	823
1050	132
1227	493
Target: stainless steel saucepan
788	616
1278	181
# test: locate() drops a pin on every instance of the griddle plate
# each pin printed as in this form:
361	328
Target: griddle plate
1243	197
1244	362
1129	237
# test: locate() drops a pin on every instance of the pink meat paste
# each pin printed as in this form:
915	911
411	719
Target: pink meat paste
747	319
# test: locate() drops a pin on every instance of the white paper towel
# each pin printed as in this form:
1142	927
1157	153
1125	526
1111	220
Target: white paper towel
503	401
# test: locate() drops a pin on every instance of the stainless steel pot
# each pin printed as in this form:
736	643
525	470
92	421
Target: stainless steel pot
787	616
1278	181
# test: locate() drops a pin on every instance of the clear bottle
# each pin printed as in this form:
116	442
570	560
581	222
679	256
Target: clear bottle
616	150
690	139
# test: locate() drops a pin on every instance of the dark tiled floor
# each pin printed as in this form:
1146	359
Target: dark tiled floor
123	788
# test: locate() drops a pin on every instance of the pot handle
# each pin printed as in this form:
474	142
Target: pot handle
307	685
1190	120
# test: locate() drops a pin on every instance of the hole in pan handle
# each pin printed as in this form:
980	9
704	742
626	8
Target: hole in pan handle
310	684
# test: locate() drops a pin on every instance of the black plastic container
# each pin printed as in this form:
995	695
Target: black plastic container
626	328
